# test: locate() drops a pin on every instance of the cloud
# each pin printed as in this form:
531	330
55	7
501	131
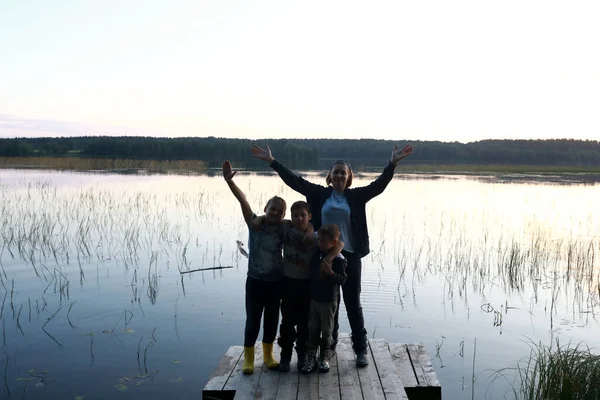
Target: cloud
12	126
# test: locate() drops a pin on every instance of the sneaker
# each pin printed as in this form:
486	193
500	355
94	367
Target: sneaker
325	354
301	360
284	363
311	363
323	366
362	360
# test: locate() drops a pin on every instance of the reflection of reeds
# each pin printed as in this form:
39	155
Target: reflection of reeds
44	223
472	256
153	278
69	312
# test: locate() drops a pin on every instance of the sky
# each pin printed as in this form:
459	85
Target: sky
422	70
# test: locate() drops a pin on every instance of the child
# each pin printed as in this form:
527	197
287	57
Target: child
298	250
264	274
325	281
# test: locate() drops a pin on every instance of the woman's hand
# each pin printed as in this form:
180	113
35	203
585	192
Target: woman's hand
398	155
228	172
263	154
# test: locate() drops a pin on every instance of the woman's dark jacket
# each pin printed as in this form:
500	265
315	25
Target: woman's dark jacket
316	195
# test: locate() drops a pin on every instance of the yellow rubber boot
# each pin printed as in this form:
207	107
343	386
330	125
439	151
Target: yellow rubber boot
268	356
248	365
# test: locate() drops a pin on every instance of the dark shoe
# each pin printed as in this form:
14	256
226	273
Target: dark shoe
362	360
324	359
325	354
323	366
301	360
311	364
284	363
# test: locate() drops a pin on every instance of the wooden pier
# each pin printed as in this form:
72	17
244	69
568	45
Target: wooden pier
395	371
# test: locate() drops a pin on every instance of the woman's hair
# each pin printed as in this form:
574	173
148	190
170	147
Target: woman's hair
350	175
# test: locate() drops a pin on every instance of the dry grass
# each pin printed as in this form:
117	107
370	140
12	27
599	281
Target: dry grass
94	164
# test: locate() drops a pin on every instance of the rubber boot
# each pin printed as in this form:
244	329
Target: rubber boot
248	365
268	356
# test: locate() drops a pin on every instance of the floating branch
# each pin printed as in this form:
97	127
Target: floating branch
205	269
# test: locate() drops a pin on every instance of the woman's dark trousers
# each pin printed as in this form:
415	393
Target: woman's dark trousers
295	307
261	295
351	294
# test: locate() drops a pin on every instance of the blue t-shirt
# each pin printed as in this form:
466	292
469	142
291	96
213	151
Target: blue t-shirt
265	261
336	210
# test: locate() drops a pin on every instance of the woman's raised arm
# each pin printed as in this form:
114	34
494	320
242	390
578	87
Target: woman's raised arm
377	187
290	178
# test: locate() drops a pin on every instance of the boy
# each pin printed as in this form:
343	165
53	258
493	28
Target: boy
325	281
265	268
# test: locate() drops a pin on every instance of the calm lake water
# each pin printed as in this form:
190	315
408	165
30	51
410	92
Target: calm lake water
94	305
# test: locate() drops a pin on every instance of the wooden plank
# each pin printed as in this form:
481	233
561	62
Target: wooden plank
369	380
403	364
269	379
308	386
329	383
348	374
245	385
391	381
288	381
214	387
429	386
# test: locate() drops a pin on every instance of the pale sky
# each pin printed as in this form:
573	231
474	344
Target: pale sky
427	70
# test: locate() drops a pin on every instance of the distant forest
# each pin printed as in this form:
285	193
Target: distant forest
310	153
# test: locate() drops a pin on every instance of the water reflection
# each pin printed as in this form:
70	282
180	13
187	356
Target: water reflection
97	276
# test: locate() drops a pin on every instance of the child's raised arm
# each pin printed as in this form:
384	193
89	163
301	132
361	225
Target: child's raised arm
228	174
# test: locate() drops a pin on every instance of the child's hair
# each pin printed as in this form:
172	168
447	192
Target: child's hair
277	199
301	205
330	231
350	174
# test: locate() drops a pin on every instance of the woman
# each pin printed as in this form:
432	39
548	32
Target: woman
337	204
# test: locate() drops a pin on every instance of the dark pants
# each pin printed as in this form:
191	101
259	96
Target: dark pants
320	326
261	295
351	293
295	305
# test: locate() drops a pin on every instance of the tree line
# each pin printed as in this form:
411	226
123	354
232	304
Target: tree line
310	153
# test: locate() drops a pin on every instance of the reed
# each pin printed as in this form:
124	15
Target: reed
557	372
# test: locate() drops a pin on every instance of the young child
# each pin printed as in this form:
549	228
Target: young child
325	281
265	269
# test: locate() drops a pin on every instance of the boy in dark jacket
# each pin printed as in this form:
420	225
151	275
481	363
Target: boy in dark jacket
325	281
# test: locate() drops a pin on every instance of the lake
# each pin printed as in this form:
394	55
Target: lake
94	305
